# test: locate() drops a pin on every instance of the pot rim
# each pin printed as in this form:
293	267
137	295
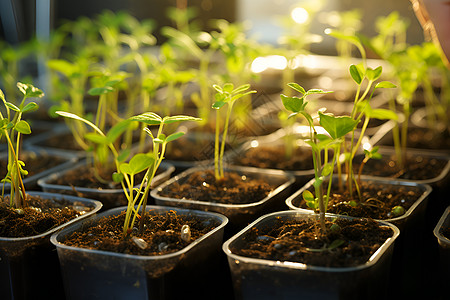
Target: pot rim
290	179
427	189
97	205
54	239
440	237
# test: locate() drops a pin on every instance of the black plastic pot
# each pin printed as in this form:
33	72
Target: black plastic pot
29	266
269	279
95	274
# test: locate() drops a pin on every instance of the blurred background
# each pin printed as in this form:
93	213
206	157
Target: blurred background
21	19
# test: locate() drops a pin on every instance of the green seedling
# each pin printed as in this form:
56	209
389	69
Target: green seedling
225	95
12	127
136	194
337	128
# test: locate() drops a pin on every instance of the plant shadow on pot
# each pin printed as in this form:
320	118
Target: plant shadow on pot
267	277
98	274
61	182
29	266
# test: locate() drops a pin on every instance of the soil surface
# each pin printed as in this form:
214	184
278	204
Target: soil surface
422	138
346	243
274	157
377	200
34	163
162	234
232	189
417	167
39	216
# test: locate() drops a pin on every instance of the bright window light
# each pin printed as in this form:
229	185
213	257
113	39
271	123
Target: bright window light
299	15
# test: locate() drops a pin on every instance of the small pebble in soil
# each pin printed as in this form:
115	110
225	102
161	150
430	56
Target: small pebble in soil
19	211
265	238
162	246
36	209
140	242
186	233
278	246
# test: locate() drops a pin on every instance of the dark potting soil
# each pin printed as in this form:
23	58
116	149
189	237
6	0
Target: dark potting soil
161	235
417	167
61	141
274	157
85	176
424	138
34	163
301	241
232	189
377	202
39	216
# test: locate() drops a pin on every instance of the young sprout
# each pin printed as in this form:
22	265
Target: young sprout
141	162
11	128
337	128
225	95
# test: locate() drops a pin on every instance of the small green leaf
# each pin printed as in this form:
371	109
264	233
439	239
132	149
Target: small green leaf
307	196
12	106
293	104
228	87
327	168
100	90
117	177
174	136
337	127
137	164
23	127
28	90
218	104
149	118
96	138
356	75
297	87
382	114
123	155
385	85
32	106
113	134
179	118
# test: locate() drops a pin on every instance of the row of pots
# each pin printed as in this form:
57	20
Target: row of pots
246	283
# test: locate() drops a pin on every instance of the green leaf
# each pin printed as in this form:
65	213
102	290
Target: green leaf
241	88
335	244
297	87
96	138
327	168
179	118
117	130
100	90
75	117
218	104
23	127
228	87
293	104
382	114
123	155
307	196
373	74
137	164
32	106
317	91
117	177
12	106
174	136
149	118
356	74
385	85
28	90
337	127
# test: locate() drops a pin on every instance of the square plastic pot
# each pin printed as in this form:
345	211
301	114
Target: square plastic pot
269	279
96	274
29	266
238	214
408	267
